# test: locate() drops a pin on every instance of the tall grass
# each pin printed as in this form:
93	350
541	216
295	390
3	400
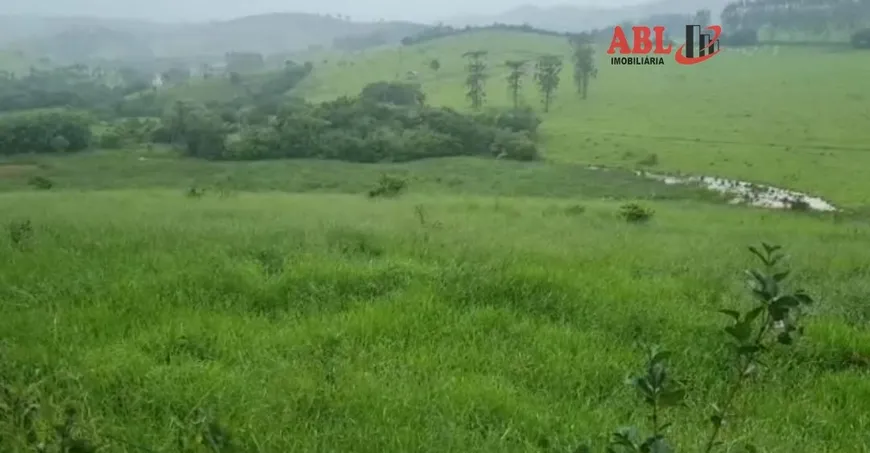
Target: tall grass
337	323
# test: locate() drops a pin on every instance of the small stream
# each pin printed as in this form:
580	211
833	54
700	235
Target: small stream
748	193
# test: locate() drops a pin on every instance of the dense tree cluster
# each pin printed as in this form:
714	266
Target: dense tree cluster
387	122
255	90
814	17
44	131
75	86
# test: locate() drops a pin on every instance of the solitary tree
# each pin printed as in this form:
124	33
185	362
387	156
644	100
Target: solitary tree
584	62
547	76
515	78
476	78
435	65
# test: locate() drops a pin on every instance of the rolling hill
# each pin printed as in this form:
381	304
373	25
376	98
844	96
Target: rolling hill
573	18
163	301
78	39
611	128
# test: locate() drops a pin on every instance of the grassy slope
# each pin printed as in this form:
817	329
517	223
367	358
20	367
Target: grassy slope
480	334
794	119
328	322
458	176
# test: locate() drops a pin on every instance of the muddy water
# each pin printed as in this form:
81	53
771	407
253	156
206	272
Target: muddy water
743	192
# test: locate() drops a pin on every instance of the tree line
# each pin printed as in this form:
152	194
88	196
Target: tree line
387	121
443	31
816	17
76	86
546	75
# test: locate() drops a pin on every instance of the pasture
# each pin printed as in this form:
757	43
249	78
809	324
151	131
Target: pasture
492	307
792	119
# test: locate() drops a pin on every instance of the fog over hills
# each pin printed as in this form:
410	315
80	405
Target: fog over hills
208	10
573	18
98	29
77	38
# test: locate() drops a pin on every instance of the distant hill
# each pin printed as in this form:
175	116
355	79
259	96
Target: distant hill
572	18
82	38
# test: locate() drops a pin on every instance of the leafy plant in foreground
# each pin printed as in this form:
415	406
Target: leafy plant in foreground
772	320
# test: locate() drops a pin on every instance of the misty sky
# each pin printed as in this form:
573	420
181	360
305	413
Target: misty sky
174	10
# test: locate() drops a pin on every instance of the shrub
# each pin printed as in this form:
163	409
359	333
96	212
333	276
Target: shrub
774	320
40	182
196	128
397	93
111	140
650	160
514	145
253	143
388	186
44	132
635	213
59	143
861	39
387	122
523	119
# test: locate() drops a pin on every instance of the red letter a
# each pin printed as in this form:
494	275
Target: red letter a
642	42
619	41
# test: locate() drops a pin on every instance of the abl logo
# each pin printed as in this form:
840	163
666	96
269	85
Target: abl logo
652	40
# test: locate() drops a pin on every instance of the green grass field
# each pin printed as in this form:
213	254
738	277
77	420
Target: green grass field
495	307
793	119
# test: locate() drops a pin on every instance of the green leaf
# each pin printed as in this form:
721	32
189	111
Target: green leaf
732	313
803	297
770	248
761	294
583	448
660	446
741	331
774	260
784	338
624	437
660	357
787	300
758	254
753	314
749	349
780	276
758	277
